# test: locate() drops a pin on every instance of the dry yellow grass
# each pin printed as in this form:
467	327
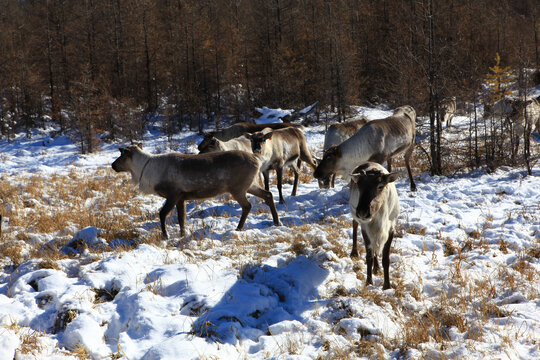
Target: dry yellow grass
62	204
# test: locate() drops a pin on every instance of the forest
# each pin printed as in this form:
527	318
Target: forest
101	69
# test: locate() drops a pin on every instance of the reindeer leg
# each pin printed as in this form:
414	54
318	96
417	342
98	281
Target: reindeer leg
375	265
386	260
369	258
408	154
333	177
295	184
279	172
268	199
165	210
354	252
266	180
246	208
181	209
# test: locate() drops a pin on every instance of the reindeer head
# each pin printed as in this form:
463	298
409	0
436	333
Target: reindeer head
328	165
209	144
259	139
368	184
124	162
204	143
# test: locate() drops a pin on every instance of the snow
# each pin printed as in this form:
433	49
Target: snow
269	115
286	292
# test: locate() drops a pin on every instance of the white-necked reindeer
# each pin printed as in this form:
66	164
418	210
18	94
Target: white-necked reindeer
448	109
336	134
374	204
180	177
377	141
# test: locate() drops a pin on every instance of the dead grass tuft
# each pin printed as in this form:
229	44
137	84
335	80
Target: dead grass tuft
534	252
48	264
29	342
449	247
80	353
12	250
63	319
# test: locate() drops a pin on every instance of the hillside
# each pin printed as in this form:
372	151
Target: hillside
85	274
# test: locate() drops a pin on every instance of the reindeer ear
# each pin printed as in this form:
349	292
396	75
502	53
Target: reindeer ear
355	177
139	145
268	136
391	177
248	135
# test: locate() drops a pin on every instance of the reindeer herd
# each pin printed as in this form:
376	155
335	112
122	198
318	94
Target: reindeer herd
237	160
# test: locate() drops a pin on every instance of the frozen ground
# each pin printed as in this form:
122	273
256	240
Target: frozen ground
464	266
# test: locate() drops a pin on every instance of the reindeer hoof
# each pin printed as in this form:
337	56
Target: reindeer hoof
386	286
354	254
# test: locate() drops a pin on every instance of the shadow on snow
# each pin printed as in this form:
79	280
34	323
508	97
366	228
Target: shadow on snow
263	296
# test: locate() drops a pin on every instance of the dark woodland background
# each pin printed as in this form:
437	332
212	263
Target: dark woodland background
107	66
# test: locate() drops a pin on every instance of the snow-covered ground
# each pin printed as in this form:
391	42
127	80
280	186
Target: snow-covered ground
464	266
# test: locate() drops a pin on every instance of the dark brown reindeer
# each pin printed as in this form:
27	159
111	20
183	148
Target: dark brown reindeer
180	177
238	130
374	204
377	141
336	134
279	149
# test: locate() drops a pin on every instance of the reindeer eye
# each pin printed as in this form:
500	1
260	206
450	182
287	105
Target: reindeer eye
122	151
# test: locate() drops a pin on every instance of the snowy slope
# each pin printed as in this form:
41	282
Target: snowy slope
464	266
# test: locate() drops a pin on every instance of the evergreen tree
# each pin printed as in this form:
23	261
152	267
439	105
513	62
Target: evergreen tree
498	81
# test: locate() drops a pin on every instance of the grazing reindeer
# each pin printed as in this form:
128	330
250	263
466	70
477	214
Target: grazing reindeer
499	109
525	112
215	145
336	134
237	130
180	177
281	148
378	141
374	205
448	109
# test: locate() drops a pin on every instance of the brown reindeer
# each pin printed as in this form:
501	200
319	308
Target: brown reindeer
237	130
180	177
281	148
377	141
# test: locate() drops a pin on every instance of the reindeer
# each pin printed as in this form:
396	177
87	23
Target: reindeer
281	148
448	109
374	204
524	112
377	141
237	130
180	177
215	145
336	134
